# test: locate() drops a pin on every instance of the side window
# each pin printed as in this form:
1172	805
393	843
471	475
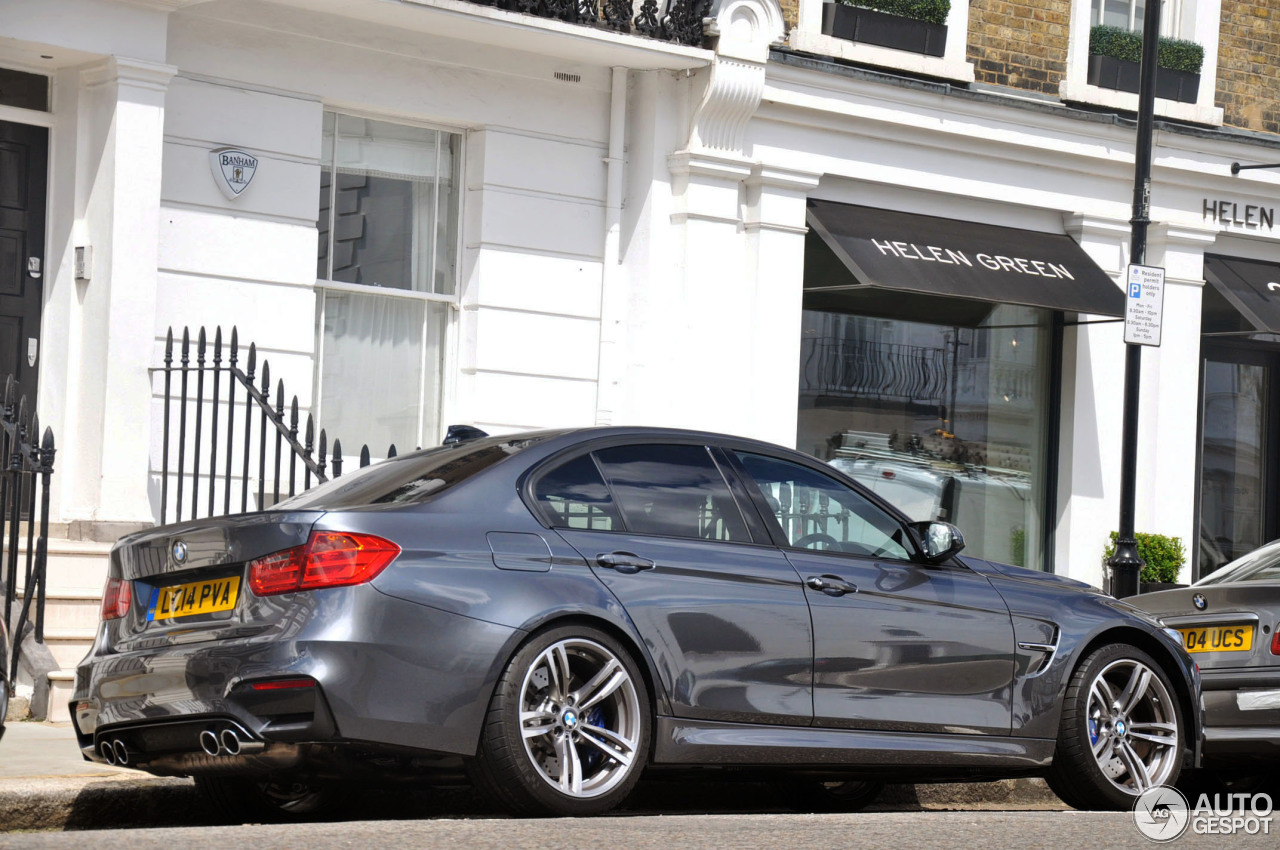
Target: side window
574	496
674	491
817	512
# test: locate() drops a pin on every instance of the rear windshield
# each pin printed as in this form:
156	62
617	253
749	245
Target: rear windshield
410	478
1259	565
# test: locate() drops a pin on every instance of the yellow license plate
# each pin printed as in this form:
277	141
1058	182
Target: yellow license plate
197	597
1218	639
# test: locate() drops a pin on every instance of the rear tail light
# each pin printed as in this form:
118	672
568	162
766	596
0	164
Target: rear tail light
283	684
328	559
1275	640
116	597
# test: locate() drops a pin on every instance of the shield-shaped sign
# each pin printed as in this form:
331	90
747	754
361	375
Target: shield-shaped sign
233	170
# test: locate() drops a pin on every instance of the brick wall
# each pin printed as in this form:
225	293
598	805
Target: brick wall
1019	43
790	12
1249	65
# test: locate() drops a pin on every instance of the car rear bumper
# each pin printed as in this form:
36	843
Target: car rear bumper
1242	715
386	672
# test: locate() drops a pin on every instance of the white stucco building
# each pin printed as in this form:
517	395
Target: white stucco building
464	214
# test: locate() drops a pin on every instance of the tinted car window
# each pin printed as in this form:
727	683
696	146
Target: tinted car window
574	495
674	491
817	512
409	478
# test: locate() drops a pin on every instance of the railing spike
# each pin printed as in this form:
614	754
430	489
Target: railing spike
217	345
235	345
200	344
293	412
253	361
364	456
46	444
280	398
266	379
337	458
311	430
168	347
186	346
9	387
391	452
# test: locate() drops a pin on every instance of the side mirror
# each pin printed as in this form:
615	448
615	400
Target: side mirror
938	540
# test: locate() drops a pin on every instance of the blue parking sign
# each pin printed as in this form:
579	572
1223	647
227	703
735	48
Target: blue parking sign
1135	290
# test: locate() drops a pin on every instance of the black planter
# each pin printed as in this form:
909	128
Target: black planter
1122	75
868	26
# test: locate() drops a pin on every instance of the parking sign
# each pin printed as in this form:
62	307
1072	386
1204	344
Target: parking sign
1144	308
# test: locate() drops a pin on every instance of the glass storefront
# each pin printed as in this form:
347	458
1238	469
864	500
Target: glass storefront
945	421
1236	455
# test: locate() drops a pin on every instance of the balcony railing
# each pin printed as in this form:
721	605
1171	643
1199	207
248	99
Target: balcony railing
679	21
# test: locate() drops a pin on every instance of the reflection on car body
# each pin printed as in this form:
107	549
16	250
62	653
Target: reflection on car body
558	611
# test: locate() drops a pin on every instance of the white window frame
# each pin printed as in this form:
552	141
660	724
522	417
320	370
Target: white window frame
952	65
1203	30
448	376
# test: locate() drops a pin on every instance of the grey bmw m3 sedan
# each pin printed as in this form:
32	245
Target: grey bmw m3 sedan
550	614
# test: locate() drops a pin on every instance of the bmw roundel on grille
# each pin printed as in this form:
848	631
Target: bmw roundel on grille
1200	602
179	552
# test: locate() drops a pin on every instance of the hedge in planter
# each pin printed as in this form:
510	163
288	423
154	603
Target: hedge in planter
1115	55
917	26
1164	556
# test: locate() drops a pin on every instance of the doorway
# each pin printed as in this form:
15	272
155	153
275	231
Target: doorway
1239	454
24	152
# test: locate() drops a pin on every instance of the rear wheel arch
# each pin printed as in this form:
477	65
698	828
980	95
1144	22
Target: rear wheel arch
657	696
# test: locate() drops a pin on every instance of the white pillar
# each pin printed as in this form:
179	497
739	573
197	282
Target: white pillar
1168	437
775	227
121	137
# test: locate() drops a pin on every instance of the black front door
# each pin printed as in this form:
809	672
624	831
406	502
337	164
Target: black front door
23	164
1239	453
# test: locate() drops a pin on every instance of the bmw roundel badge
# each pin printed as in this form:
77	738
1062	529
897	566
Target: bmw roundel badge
179	552
1200	602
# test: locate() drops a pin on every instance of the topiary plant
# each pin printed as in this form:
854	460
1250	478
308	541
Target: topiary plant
1164	555
1174	54
932	11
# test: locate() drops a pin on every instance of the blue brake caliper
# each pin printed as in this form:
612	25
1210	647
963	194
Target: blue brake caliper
591	755
1093	730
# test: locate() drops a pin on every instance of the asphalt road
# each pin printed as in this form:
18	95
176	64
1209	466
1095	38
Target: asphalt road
895	830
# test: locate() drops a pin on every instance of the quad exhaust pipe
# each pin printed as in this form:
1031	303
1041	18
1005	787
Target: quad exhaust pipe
114	751
227	743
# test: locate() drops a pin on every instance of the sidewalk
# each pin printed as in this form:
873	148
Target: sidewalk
46	785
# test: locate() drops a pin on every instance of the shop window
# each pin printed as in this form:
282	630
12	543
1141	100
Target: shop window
1114	86
386	279
891	41
943	421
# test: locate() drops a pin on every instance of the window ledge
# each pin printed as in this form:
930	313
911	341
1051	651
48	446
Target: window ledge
943	67
1195	113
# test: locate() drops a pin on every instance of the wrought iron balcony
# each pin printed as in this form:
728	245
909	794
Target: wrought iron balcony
679	21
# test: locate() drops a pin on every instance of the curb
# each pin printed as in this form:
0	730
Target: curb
106	802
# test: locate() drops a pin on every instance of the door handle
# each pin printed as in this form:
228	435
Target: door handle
830	585
624	562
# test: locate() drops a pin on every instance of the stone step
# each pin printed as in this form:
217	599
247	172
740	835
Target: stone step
69	646
74	566
70	609
62	684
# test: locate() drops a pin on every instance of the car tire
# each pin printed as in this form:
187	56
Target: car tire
1121	731
571	695
246	799
852	795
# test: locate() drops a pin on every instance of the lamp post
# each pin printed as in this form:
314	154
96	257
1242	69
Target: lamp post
1126	564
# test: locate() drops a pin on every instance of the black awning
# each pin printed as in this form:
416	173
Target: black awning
1250	286
931	256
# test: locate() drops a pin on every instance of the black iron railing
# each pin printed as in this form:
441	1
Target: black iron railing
24	496
199	462
669	20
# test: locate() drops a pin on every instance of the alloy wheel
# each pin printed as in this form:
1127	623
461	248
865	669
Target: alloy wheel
1133	726
580	718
